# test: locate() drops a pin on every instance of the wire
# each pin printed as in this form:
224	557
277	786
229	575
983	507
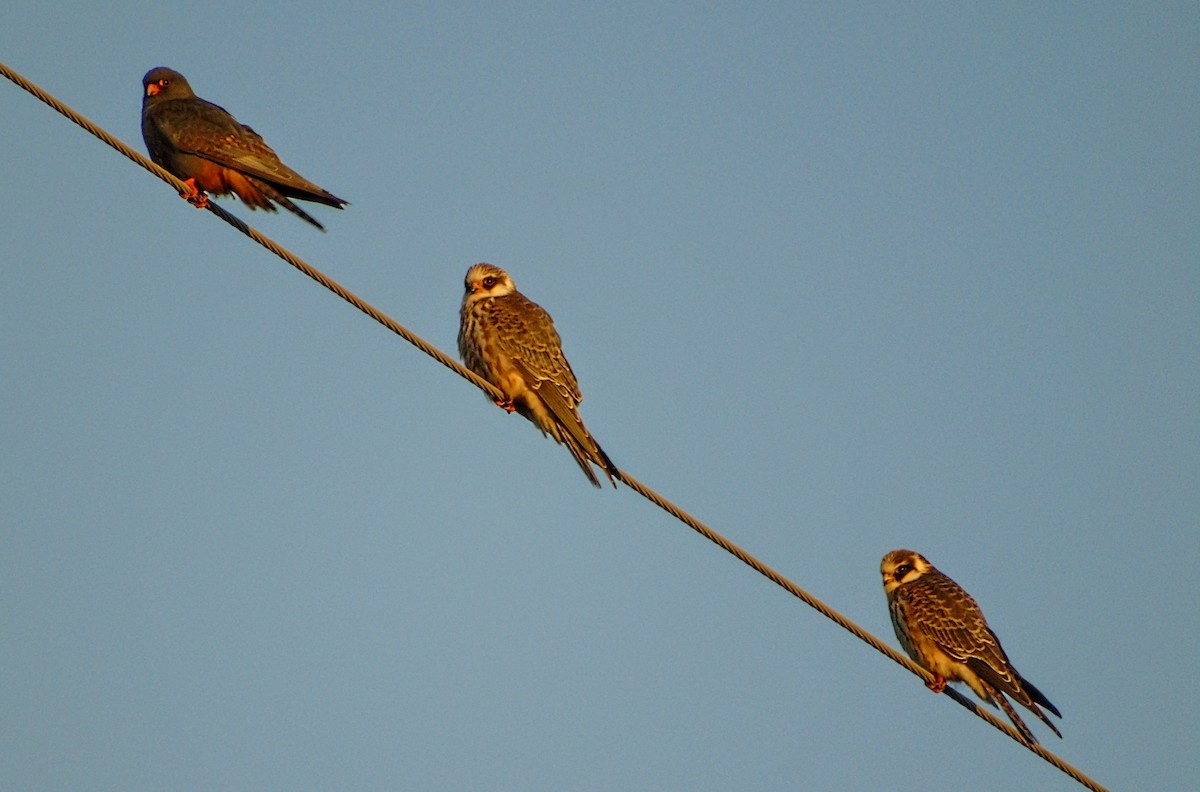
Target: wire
631	482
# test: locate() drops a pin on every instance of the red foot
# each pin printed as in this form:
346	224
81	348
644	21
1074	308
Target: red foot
193	195
507	406
938	684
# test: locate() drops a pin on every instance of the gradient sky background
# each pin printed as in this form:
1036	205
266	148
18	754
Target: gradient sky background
837	278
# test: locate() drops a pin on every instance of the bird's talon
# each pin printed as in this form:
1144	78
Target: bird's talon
193	195
505	405
938	684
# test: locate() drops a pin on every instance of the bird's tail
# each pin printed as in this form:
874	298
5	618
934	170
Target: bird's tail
1031	697
1038	696
1016	719
612	471
585	458
275	195
1037	711
1032	707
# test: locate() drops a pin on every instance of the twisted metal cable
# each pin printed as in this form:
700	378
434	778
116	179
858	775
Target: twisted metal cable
631	482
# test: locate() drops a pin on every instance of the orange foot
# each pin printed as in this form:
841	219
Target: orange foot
505	405
193	195
938	684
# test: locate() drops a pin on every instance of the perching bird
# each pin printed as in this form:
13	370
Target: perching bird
511	342
206	147
942	628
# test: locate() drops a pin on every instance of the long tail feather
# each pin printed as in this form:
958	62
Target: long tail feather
1015	718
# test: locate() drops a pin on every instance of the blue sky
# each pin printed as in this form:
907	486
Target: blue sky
835	278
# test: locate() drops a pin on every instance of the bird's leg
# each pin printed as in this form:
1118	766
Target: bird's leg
938	684
505	404
194	195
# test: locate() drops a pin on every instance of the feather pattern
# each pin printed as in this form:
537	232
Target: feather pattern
942	627
511	341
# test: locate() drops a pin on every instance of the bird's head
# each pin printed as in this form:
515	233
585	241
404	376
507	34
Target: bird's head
486	280
163	83
902	566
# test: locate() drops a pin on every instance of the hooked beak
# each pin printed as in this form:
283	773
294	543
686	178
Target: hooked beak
152	89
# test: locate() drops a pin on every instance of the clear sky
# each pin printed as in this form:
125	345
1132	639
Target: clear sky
837	278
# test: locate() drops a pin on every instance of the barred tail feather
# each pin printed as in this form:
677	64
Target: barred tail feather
582	460
586	457
1015	718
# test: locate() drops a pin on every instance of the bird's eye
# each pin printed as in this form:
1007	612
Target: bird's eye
489	282
903	570
164	82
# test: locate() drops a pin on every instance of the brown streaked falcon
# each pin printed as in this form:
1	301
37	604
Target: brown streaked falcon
510	341
941	627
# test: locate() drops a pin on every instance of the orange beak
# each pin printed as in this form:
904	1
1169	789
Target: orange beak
152	89
475	286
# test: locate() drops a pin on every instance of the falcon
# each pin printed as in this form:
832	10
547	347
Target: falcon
205	146
942	628
510	341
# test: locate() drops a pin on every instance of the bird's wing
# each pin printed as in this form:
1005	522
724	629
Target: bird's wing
195	126
527	336
960	630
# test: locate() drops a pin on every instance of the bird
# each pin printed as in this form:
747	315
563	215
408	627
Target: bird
510	341
212	152
943	629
